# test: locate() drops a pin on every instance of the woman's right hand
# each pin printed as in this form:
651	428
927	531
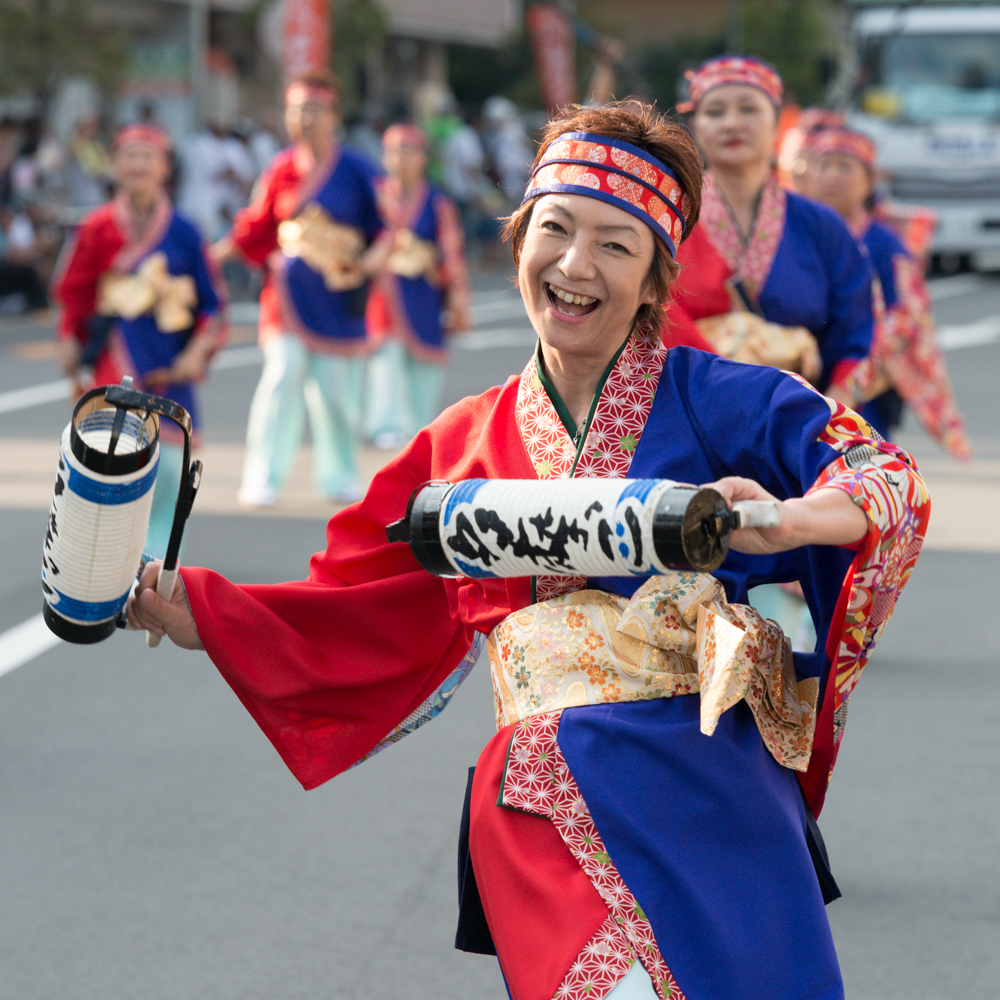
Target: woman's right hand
148	611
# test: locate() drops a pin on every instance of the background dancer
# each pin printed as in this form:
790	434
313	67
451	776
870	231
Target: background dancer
140	298
761	253
615	845
906	362
421	296
310	224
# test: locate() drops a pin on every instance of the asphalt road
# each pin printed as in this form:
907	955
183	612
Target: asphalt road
152	844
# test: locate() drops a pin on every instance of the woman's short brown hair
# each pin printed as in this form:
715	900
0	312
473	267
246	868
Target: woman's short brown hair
643	126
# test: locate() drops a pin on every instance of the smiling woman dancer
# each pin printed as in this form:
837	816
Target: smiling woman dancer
616	847
759	249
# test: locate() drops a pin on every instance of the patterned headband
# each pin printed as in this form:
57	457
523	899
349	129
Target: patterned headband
618	173
721	70
403	135
845	142
142	134
300	92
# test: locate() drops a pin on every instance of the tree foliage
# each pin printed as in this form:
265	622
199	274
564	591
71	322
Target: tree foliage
358	26
794	36
42	42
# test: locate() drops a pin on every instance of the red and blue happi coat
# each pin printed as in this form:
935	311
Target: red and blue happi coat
108	242
607	833
295	298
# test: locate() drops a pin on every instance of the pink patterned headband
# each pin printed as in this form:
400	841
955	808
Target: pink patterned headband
403	135
142	134
300	92
845	142
722	70
615	172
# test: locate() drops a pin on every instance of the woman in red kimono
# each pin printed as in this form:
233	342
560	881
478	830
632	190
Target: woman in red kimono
906	363
618	848
761	253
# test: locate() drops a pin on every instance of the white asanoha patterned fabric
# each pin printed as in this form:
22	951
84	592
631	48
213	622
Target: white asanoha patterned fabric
613	435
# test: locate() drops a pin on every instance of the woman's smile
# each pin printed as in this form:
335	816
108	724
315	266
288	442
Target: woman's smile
568	304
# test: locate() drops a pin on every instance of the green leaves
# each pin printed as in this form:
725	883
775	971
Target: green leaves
42	42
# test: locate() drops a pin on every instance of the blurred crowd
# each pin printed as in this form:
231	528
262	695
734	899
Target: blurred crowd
47	184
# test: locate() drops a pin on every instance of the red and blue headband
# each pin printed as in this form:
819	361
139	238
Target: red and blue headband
844	142
743	70
618	173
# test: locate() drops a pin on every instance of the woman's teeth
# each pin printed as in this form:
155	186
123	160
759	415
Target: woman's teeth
577	300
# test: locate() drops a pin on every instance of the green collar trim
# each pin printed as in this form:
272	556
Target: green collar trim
578	435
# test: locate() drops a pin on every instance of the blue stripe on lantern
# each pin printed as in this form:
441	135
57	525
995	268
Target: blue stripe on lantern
110	494
638	488
464	492
85	611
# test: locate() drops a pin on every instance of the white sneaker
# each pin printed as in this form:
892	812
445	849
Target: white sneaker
254	497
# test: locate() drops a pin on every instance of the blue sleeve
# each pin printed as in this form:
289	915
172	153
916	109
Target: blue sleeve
208	297
366	173
759	422
883	247
765	425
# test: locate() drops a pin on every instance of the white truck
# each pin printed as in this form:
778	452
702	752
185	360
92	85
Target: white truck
925	85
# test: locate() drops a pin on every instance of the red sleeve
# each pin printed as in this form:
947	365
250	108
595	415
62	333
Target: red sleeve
255	228
679	329
328	666
88	256
700	288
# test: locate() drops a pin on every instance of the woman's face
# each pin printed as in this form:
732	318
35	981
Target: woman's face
842	182
736	126
582	273
140	170
406	163
311	122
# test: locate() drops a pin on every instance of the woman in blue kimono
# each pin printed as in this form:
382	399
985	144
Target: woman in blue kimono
311	225
906	362
140	298
420	298
629	834
761	253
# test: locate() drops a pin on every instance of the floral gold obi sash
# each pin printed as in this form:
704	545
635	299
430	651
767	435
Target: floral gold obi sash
171	299
676	635
327	246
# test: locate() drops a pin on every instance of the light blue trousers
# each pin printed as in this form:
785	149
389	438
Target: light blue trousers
403	391
294	380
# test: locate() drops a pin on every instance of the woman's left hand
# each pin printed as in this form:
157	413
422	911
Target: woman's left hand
824	517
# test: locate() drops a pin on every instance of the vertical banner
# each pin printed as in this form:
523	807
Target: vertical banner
554	47
305	37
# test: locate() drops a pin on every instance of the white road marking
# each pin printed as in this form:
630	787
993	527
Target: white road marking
487	340
958	284
978	332
34	395
24	642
